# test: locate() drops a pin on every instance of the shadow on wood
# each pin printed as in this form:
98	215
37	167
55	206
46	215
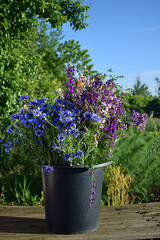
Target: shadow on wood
22	225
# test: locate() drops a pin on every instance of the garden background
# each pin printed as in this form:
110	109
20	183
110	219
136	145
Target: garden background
33	60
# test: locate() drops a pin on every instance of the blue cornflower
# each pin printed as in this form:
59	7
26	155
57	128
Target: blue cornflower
42	100
21	114
67	157
61	137
38	142
55	121
96	117
26	123
69	122
15	142
79	154
62	116
28	115
31	105
73	132
38	124
39	133
1	139
23	97
87	115
8	147
43	116
10	129
14	116
60	100
70	113
56	147
44	106
37	112
49	169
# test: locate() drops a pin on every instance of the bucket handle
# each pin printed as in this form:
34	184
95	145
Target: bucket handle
102	165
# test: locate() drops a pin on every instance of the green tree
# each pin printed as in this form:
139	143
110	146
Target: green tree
140	88
55	55
138	102
18	17
20	60
158	86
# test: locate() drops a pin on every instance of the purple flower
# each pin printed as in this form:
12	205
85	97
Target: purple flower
23	97
136	119
1	139
90	173
92	200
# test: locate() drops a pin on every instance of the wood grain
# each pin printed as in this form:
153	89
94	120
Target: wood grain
139	221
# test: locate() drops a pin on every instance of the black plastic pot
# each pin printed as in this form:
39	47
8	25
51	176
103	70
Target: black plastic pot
67	192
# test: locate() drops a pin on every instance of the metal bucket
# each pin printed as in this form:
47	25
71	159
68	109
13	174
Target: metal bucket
67	192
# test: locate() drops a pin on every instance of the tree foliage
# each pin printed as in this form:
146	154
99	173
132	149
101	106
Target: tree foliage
55	55
24	66
138	102
140	88
17	17
158	86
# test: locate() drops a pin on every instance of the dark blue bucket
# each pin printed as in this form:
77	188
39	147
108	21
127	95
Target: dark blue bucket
67	192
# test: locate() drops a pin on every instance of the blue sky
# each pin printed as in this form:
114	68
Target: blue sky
123	35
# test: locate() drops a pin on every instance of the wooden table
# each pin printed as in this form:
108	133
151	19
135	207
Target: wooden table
140	221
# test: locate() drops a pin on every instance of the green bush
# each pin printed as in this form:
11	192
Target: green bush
143	104
138	103
153	124
139	153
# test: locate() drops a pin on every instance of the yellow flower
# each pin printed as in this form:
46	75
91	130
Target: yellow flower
80	85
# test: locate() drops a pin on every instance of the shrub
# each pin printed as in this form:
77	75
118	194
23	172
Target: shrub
153	124
139	153
117	185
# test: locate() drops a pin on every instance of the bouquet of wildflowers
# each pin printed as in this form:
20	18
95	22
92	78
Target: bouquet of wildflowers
79	128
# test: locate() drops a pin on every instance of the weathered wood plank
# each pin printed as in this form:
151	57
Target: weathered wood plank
140	221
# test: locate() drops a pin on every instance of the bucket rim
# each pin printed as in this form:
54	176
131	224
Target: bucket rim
79	166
